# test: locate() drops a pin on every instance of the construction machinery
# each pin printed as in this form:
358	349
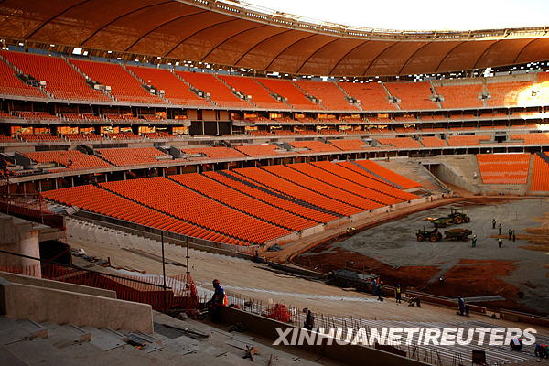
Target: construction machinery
455	217
457	234
430	235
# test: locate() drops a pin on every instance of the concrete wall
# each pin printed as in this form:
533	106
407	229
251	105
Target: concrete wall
43	304
347	354
29	280
18	236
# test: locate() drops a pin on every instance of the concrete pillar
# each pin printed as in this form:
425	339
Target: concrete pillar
72	181
19	236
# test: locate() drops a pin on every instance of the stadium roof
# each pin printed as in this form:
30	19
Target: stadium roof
226	33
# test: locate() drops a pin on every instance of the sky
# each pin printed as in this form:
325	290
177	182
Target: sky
419	14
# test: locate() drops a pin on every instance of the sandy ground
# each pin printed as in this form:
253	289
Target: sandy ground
487	269
256	281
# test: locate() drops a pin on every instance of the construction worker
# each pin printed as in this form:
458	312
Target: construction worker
309	320
218	300
510	234
513	236
398	294
500	228
500	242
493	223
474	241
380	291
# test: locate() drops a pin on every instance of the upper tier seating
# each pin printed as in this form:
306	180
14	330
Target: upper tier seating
504	169
127	156
7	139
388	174
372	96
41	138
509	94
213	152
288	90
433	141
124	87
98	200
533	138
400	142
62	81
261	150
176	91
466	140
71	159
348	145
540	176
412	96
250	86
220	94
11	85
314	147
331	97
37	116
461	96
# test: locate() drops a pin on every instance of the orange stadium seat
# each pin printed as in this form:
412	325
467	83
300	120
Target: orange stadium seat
127	156
349	145
250	86
71	159
368	198
412	95
233	198
286	204
101	201
313	147
62	81
288	90
508	94
220	94
176	91
124	87
213	152
261	150
331	97
400	142
466	140
504	169
540	176
433	141
460	96
372	96
290	187
11	85
41	138
388	174
533	138
195	208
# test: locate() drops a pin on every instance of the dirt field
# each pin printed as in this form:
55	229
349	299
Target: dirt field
516	271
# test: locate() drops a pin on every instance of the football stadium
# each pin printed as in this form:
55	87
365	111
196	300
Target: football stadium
197	182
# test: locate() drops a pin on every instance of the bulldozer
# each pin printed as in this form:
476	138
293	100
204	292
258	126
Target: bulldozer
455	217
431	235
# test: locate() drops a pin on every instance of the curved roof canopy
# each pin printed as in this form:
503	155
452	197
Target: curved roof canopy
229	34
